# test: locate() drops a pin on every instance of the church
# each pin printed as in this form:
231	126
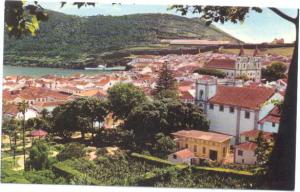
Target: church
241	66
232	110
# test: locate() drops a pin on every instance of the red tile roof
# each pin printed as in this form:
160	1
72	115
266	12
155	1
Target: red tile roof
185	153
208	136
273	116
254	133
185	95
250	146
220	64
245	97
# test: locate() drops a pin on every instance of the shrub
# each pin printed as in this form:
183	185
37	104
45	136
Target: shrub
213	72
72	150
38	156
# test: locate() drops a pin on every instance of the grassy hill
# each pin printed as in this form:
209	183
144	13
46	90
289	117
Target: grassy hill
73	42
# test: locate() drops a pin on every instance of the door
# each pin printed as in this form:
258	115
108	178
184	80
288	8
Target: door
213	155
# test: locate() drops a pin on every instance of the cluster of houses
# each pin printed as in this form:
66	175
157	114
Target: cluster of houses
237	110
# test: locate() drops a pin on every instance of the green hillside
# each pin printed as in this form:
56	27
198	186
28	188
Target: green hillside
73	42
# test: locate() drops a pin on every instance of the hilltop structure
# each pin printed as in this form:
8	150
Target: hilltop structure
243	65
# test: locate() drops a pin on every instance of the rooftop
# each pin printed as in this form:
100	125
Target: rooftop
208	136
250	146
245	97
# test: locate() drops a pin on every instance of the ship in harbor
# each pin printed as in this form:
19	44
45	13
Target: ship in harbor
104	68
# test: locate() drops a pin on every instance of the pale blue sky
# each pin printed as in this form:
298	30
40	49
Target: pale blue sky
257	28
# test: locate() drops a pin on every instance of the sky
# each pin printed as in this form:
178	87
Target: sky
257	28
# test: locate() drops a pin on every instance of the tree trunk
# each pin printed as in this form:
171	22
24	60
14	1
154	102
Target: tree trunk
281	172
24	153
15	146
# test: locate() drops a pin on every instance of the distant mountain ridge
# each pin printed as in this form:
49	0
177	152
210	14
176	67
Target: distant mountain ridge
69	41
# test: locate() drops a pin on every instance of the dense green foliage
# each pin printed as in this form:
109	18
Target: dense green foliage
274	71
213	72
123	98
38	155
166	80
78	115
73	42
72	150
163	116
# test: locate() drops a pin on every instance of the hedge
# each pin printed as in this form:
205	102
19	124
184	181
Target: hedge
223	170
67	171
158	161
183	166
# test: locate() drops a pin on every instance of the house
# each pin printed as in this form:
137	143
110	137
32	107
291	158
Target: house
270	123
253	134
182	156
12	111
244	153
232	110
204	145
249	66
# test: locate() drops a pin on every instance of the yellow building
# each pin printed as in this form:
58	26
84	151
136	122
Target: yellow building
204	145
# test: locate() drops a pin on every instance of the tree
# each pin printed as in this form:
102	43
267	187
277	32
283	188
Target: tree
166	80
11	128
38	155
123	98
22	107
284	152
274	71
163	116
72	150
78	115
167	94
163	145
263	150
22	18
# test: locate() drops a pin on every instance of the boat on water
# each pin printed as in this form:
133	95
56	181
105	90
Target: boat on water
104	68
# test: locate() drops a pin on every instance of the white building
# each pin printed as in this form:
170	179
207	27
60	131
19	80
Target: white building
249	66
183	156
232	110
270	123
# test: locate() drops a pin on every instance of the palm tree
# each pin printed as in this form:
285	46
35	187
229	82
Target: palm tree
22	107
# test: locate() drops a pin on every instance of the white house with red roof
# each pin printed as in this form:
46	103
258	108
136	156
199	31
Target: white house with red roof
270	122
232	110
244	153
182	156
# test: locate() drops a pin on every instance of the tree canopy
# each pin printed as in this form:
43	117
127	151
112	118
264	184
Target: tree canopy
274	71
123	98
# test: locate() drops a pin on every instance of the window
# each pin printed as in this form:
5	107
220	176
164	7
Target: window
247	114
231	109
224	151
201	93
203	150
273	124
221	108
243	161
195	148
211	106
247	138
240	153
186	146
